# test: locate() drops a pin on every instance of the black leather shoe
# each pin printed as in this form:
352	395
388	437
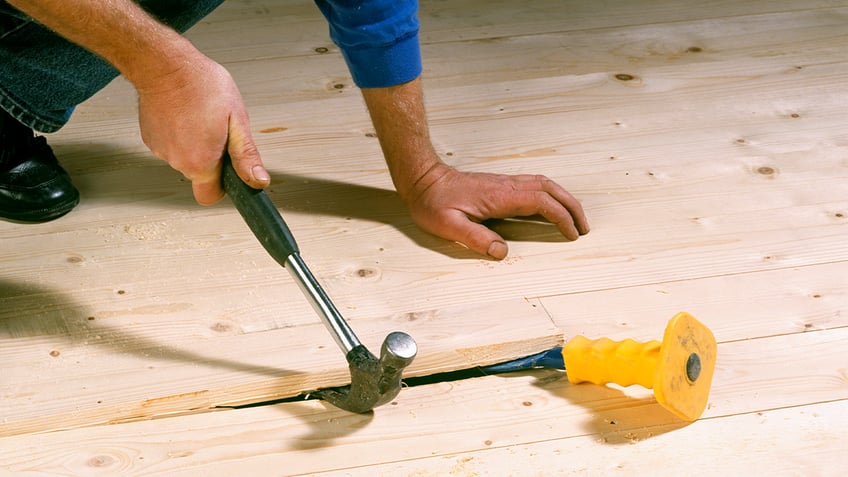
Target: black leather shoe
33	186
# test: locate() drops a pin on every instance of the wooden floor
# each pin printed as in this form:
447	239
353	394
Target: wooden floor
707	142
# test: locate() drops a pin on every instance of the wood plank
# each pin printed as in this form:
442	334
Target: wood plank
775	220
734	307
259	29
62	370
803	437
715	179
495	416
693	45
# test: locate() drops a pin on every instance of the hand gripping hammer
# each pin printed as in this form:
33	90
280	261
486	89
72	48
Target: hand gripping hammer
373	381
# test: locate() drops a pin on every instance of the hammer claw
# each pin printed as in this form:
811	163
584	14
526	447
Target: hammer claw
373	382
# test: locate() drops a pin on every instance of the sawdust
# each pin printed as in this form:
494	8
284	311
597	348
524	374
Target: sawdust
147	231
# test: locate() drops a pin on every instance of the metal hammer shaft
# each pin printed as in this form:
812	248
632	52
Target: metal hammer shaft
322	304
273	233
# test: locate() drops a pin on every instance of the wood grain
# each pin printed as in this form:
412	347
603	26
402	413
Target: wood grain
706	141
482	421
63	372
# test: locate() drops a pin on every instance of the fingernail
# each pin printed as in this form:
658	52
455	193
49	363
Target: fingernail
260	174
497	250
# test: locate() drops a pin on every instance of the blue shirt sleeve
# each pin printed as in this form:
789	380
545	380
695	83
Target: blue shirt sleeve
378	39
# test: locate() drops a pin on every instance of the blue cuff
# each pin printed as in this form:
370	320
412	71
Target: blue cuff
379	67
378	38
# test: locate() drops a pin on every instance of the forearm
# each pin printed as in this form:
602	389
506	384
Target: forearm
400	119
140	47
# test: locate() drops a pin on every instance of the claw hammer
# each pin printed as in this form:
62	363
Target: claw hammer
373	381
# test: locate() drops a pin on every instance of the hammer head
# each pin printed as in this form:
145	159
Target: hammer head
373	382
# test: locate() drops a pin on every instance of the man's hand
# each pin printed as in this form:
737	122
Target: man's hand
449	203
190	118
452	204
190	110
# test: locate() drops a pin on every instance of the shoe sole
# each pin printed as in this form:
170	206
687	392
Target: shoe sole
41	215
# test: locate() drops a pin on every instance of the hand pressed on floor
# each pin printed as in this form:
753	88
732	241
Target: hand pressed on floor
452	204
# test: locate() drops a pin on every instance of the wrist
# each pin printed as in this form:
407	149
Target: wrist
161	65
412	180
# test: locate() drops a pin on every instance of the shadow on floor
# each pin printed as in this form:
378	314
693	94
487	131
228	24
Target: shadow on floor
135	176
29	311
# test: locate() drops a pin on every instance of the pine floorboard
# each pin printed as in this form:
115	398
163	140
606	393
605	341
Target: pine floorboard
706	142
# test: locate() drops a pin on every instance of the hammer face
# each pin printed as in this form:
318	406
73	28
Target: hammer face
373	382
398	351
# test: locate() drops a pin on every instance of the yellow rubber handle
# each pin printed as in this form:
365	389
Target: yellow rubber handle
605	361
679	370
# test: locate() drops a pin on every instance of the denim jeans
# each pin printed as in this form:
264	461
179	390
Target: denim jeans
43	77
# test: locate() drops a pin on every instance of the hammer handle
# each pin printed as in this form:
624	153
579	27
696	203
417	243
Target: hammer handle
261	216
266	223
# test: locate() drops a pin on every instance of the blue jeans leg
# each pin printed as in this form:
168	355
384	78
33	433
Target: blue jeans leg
43	76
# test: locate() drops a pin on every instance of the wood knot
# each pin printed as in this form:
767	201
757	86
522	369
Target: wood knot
221	327
416	315
101	461
74	258
366	272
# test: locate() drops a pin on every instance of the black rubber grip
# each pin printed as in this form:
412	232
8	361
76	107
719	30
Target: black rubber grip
261	216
